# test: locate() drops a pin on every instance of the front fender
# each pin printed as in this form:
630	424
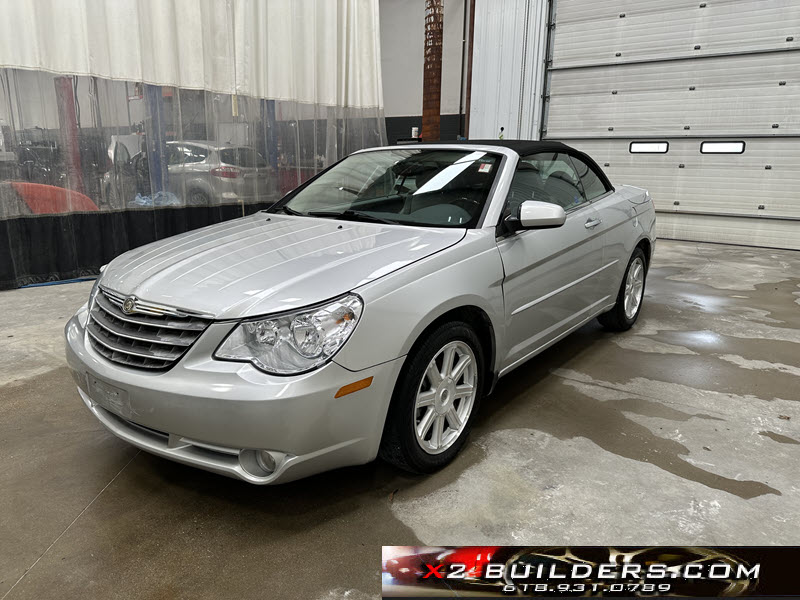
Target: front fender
400	306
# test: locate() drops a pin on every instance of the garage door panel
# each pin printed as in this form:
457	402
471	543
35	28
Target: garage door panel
675	32
779	152
745	71
730	184
741	95
683	72
701	193
580	10
729	230
711	112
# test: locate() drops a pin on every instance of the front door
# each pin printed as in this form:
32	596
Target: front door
616	215
551	282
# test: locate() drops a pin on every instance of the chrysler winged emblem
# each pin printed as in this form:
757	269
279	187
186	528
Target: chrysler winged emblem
129	305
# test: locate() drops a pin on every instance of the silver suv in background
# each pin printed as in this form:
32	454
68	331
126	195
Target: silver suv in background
200	173
366	313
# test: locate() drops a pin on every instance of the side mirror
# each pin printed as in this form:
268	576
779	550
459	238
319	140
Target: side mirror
538	215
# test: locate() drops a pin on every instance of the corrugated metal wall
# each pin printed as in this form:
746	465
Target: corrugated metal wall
592	32
684	72
507	69
732	95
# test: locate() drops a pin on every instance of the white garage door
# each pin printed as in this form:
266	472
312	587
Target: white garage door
699	101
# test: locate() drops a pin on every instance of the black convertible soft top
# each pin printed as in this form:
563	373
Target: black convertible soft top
521	147
526	147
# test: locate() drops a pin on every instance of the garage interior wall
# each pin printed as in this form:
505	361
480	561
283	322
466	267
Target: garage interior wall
125	122
402	25
508	69
685	74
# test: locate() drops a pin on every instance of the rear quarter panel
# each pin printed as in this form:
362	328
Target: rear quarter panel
628	217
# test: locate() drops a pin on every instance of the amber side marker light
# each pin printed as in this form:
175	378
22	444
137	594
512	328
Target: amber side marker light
353	387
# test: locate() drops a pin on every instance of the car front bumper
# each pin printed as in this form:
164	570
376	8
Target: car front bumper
216	415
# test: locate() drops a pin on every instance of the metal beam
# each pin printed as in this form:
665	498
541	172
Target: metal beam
548	63
672	59
701	213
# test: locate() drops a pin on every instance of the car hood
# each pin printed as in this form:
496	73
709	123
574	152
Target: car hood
268	263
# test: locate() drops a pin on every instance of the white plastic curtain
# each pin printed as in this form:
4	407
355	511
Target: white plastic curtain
310	51
146	118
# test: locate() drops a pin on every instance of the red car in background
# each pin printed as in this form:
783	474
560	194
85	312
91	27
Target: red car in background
25	198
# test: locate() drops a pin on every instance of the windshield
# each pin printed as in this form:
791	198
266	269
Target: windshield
415	186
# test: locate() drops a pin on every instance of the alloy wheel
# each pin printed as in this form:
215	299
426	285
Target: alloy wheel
634	288
445	397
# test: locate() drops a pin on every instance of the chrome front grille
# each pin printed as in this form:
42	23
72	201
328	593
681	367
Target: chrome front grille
153	337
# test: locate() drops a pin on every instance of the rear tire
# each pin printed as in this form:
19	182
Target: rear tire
630	296
198	198
434	403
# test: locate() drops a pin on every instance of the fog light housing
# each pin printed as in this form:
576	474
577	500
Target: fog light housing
266	461
262	464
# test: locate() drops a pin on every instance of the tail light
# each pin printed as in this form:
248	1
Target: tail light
226	172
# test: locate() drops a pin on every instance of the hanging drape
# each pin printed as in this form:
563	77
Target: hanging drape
312	51
125	121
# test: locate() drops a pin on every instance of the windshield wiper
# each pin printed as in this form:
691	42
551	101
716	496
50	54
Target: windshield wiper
289	211
352	215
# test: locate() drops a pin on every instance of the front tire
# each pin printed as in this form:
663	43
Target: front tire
630	296
435	400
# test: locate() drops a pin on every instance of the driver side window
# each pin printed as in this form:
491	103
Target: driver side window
545	177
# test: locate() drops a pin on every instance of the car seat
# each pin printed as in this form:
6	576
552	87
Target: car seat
527	185
562	189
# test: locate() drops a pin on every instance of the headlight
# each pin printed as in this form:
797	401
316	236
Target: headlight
294	342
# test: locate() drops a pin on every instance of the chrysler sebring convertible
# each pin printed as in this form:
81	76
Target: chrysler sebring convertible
365	314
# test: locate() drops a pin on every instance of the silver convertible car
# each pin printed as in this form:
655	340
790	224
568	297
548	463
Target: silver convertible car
365	314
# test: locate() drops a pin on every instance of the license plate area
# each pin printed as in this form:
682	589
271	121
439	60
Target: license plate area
112	398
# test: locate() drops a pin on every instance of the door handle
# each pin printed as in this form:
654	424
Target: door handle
592	223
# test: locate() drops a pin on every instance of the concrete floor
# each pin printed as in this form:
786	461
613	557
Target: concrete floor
684	430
